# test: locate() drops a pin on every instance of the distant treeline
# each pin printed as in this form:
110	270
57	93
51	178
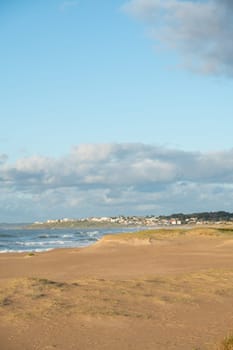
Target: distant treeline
205	216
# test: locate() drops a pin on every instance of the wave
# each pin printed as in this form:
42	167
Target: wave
25	251
29	244
92	233
48	236
6	235
67	236
44	240
43	236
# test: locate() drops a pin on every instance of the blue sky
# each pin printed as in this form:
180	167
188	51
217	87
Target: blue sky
113	75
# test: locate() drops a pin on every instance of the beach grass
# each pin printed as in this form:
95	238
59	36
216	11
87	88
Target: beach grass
169	233
227	343
136	298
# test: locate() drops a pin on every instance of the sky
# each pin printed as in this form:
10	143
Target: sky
115	107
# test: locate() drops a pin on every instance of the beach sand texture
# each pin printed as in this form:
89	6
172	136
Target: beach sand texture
161	289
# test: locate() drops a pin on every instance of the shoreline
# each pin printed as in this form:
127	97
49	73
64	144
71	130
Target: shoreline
39	240
152	230
69	239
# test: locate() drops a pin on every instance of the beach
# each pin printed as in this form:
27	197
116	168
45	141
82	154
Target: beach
162	289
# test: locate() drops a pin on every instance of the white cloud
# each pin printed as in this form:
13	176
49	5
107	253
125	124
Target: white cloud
109	179
201	31
3	158
68	4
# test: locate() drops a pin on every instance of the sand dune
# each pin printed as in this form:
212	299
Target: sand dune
169	289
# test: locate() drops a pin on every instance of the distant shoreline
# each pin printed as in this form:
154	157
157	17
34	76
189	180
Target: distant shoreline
78	224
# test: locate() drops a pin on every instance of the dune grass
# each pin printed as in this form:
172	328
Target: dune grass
170	233
101	297
227	343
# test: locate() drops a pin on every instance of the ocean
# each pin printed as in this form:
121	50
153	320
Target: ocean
39	240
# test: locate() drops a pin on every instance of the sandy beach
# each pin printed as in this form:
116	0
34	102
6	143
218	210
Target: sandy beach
156	290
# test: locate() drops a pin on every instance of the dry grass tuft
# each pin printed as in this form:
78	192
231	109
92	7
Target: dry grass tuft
227	343
137	298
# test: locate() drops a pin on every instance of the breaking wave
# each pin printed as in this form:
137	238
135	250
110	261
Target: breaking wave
21	240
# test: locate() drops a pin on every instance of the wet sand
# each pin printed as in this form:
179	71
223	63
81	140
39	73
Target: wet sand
159	291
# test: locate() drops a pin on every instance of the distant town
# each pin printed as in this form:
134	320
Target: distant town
204	218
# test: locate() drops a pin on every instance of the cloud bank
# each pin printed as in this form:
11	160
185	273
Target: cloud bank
200	31
113	179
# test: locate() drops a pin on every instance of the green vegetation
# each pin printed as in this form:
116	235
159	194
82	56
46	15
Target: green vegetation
204	216
74	224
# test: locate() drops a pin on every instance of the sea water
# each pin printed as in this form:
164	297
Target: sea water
39	240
